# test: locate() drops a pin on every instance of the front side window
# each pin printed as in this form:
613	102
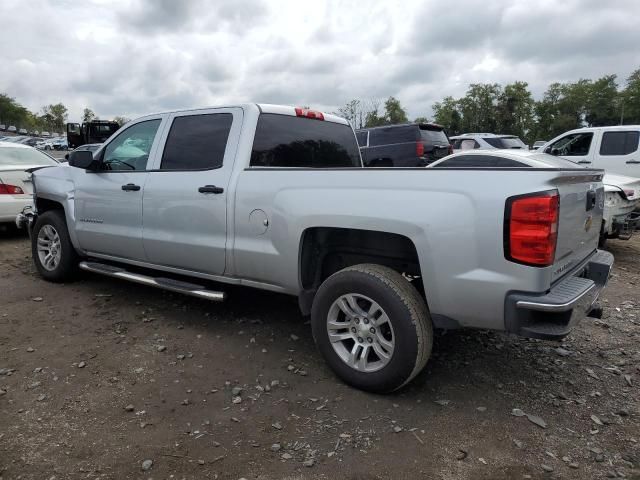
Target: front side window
298	142
619	143
130	150
573	145
197	142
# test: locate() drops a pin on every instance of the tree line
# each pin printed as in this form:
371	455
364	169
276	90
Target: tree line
492	108
50	118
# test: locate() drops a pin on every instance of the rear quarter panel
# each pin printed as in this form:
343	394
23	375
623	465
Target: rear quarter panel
453	217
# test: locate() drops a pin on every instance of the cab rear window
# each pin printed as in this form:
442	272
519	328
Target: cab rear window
297	142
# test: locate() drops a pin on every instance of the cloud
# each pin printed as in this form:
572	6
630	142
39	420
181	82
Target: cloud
132	57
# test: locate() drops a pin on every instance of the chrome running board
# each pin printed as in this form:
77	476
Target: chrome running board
159	282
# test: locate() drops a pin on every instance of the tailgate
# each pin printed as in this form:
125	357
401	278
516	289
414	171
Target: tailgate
580	219
19	178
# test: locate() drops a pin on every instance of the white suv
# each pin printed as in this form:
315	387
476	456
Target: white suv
486	141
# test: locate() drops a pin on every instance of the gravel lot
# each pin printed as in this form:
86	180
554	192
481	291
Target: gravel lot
104	379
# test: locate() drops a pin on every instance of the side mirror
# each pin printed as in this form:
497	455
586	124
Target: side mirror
555	151
66	157
83	159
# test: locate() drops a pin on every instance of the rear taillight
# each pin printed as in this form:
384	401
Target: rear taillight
450	149
531	229
419	149
305	112
6	189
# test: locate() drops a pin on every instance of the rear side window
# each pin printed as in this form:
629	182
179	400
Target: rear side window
505	142
619	143
295	142
197	142
465	144
481	161
362	138
433	136
391	135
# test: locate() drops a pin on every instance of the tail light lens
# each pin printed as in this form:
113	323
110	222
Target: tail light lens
6	189
531	228
419	149
304	112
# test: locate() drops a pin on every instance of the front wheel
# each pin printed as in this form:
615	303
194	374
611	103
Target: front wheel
372	327
51	248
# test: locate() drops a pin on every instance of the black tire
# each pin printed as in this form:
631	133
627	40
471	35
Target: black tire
405	307
67	266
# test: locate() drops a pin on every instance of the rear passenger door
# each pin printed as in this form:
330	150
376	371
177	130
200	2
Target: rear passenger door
187	192
618	152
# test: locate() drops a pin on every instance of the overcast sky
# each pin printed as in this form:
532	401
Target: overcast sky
136	57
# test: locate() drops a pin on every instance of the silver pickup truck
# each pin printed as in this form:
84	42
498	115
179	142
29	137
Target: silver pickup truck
276	198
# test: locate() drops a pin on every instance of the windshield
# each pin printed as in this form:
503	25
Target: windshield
505	142
433	136
10	156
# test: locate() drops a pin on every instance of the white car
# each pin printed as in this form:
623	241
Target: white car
486	141
15	183
621	194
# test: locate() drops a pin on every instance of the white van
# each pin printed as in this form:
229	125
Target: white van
614	149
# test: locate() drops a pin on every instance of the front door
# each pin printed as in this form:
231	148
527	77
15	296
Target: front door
186	195
108	203
575	147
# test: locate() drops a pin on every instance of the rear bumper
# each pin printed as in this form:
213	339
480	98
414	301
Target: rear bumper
552	315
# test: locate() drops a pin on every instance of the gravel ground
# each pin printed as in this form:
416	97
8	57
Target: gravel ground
104	379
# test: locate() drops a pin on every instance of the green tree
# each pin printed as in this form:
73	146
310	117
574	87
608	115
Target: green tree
393	112
630	100
120	120
54	116
603	102
421	120
447	114
514	111
88	115
478	107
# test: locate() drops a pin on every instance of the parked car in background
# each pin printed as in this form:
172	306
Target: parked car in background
277	198
89	147
12	129
614	149
15	183
3	128
537	144
621	194
94	131
23	131
486	141
410	145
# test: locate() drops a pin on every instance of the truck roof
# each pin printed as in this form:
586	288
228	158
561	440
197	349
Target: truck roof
267	108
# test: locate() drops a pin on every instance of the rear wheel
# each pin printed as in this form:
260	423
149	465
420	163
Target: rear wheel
51	248
372	327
